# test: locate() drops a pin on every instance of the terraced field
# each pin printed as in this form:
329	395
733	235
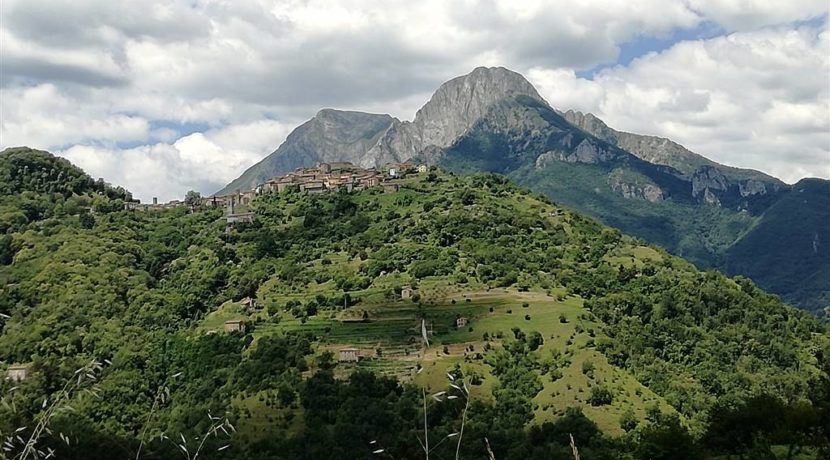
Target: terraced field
390	341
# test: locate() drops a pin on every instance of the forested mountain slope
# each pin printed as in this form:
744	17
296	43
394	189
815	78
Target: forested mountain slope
568	327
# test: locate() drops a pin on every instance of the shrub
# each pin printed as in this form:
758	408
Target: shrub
628	421
588	368
600	396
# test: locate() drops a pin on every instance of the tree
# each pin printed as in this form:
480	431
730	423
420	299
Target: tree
667	439
628	421
87	220
192	198
6	250
600	396
535	341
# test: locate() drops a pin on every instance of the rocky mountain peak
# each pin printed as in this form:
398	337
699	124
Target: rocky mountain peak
588	122
458	103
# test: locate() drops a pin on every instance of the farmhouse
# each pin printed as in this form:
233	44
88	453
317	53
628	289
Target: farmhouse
235	325
406	292
18	372
349	355
246	217
460	322
249	303
390	188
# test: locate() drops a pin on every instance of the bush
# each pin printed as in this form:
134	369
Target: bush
628	421
600	396
588	368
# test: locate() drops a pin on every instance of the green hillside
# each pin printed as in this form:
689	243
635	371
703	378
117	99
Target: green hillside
533	145
675	221
571	329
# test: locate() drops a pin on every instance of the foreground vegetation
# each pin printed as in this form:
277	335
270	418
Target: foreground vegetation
573	329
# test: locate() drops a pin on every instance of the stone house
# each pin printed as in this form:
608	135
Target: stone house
422	168
246	217
249	303
235	325
19	372
349	355
406	292
313	187
460	322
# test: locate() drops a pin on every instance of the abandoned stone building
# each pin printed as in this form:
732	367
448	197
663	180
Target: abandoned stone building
461	322
235	325
249	303
349	355
18	372
246	217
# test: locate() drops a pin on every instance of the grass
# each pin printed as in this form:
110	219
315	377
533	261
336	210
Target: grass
394	329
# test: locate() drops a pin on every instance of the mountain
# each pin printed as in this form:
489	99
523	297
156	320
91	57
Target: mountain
300	335
372	140
663	151
332	135
788	249
494	120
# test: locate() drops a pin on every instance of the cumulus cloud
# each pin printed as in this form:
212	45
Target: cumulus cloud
119	86
200	161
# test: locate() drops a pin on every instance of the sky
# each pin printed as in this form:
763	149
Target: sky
166	96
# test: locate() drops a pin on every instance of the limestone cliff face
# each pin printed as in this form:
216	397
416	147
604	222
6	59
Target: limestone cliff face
707	180
752	187
632	185
648	192
460	102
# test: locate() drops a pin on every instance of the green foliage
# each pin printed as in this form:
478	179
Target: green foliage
600	396
149	291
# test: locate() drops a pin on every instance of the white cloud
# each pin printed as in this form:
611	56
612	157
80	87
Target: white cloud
86	76
44	116
200	161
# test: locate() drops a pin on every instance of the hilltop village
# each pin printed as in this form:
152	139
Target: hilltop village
321	178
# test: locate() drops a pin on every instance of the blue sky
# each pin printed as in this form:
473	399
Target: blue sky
642	45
